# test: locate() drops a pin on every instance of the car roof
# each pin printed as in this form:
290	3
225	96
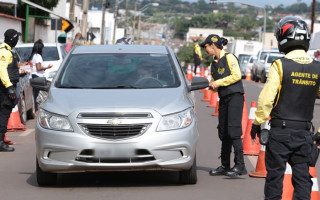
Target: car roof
276	54
31	44
120	49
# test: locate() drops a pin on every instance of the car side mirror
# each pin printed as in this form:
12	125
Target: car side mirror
199	83
40	83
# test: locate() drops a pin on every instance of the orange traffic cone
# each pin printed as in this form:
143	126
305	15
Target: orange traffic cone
213	99
216	112
261	170
14	123
244	116
202	72
198	71
315	187
287	191
205	75
248	76
249	147
189	73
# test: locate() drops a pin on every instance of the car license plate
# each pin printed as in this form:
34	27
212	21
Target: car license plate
114	153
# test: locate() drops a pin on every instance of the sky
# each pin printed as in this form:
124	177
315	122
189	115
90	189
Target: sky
264	2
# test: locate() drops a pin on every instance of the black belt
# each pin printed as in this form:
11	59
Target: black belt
280	123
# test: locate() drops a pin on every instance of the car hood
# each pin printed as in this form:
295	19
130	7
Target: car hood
164	101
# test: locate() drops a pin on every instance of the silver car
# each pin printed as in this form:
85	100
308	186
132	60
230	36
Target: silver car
117	108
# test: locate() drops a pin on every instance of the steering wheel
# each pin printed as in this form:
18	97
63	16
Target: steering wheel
148	81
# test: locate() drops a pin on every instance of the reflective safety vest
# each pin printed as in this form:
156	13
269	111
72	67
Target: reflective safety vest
13	69
298	89
220	70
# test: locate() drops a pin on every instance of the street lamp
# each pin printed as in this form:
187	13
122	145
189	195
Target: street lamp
264	14
141	10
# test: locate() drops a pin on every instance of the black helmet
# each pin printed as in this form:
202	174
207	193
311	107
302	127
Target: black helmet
292	32
125	40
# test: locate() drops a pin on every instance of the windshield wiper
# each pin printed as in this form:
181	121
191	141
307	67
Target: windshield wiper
71	87
118	87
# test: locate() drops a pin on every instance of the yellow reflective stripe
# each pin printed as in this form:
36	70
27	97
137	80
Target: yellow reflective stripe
278	63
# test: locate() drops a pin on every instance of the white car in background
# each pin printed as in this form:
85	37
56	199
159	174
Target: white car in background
53	54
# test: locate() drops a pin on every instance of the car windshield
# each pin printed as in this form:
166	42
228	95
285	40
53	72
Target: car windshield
104	71
271	58
49	53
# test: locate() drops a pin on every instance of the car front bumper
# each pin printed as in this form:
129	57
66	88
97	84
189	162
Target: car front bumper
61	152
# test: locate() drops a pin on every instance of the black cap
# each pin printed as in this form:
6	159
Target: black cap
11	34
212	38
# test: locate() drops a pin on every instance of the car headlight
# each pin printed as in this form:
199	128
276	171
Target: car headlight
53	121
176	121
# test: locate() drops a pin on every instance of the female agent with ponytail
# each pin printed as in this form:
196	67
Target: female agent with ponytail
226	79
38	67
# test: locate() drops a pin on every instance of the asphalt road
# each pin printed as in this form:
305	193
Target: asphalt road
18	180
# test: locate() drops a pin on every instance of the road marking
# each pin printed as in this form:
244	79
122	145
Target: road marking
27	132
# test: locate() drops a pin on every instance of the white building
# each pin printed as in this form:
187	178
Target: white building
202	33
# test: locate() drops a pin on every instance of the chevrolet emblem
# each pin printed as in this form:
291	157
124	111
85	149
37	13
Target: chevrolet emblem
114	121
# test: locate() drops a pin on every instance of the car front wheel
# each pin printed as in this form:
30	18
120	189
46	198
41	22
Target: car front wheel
32	112
263	77
189	176
45	178
23	112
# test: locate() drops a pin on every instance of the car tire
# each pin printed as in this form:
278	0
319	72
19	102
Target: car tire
189	176
45	178
32	112
253	77
263	77
22	110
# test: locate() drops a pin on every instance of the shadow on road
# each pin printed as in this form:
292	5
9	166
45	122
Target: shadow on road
114	179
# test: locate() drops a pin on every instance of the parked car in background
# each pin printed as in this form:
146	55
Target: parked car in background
53	53
26	105
117	108
262	68
258	63
245	63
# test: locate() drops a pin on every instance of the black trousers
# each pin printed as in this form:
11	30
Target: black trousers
5	112
197	63
230	127
284	143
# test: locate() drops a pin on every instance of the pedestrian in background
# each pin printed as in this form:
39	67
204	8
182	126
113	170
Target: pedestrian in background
38	66
9	76
197	55
288	97
226	78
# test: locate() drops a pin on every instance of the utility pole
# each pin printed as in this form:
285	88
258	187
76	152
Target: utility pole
115	21
104	4
71	13
139	27
134	21
126	23
312	14
84	23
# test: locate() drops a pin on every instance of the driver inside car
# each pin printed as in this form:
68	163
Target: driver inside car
146	77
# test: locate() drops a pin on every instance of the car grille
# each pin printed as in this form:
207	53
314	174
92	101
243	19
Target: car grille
140	156
114	132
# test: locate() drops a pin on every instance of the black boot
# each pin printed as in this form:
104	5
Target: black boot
239	167
237	170
222	170
225	166
5	147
